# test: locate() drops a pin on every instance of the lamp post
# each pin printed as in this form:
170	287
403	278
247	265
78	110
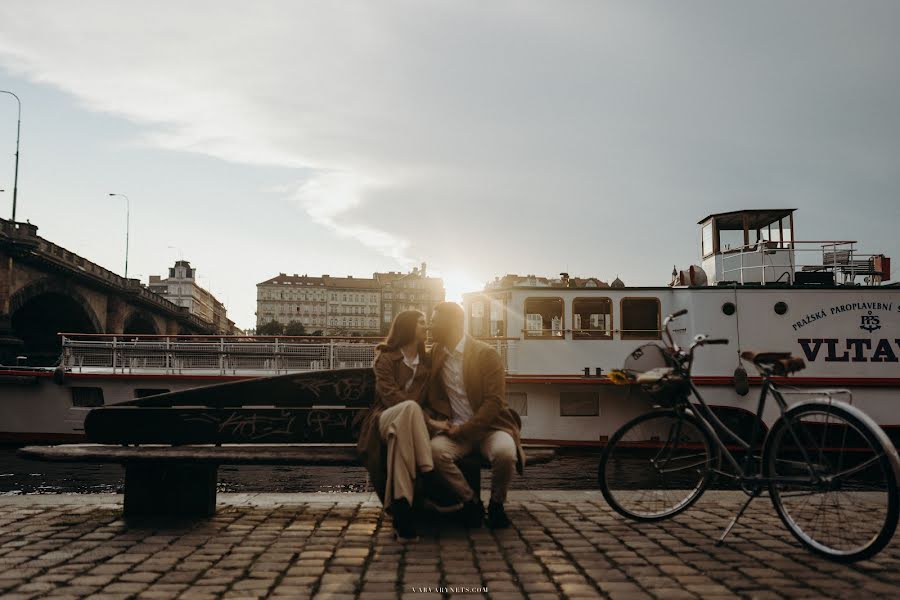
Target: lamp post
127	227
18	130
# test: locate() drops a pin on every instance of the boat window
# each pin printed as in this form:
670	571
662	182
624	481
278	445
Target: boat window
477	324
144	392
498	317
640	319
592	318
87	397
579	404
544	318
731	239
518	401
707	239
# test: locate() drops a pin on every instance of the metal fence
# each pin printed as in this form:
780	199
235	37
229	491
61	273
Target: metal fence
223	356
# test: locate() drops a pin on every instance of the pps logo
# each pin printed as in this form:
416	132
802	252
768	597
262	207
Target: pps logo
870	322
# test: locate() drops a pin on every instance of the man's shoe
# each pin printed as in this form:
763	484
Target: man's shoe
497	518
404	522
472	514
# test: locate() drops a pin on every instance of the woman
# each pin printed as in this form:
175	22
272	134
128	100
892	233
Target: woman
396	420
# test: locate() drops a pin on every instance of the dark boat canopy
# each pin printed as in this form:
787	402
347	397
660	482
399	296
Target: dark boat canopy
741	229
747	219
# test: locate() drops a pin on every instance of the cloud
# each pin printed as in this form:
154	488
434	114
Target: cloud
547	135
327	196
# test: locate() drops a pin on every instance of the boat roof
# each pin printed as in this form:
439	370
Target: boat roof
756	218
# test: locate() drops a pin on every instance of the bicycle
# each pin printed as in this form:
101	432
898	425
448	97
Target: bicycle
831	472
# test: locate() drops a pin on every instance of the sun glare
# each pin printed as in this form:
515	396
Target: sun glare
457	283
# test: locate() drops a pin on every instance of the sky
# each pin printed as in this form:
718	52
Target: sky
481	138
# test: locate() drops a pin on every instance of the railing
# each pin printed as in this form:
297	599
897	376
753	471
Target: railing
228	355
779	262
206	355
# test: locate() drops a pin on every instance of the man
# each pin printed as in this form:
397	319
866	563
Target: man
468	389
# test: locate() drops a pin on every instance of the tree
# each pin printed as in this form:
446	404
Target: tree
295	328
273	327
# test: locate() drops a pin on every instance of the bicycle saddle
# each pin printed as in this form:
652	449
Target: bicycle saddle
776	363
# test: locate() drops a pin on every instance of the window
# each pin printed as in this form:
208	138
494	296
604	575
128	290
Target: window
544	318
592	318
579	404
518	401
731	239
707	239
87	397
640	319
144	392
476	319
498	317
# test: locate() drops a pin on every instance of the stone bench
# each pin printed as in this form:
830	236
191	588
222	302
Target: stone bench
166	480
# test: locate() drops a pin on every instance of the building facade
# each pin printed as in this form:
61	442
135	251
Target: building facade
410	291
181	288
357	306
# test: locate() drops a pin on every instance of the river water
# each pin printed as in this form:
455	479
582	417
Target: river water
571	470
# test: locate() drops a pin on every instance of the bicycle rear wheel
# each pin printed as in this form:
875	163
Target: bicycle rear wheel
656	465
835	477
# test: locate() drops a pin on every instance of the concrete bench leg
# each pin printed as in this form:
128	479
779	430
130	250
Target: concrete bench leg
170	490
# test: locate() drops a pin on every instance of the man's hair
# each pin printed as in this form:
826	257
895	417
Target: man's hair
451	309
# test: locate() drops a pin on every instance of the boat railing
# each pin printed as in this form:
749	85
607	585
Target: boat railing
782	261
226	355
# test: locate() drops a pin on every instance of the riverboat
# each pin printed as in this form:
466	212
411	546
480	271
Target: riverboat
756	284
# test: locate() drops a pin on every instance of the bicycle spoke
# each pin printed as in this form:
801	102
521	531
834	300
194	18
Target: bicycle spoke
656	466
848	499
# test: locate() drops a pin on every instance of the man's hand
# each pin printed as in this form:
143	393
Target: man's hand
437	425
453	431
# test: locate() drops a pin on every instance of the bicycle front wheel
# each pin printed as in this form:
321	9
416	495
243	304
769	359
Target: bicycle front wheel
656	465
833	480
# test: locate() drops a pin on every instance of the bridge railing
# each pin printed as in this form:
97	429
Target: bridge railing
227	355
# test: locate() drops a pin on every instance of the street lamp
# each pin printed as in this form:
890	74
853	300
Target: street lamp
127	227
18	130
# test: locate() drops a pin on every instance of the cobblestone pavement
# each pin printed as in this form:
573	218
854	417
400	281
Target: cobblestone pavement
563	545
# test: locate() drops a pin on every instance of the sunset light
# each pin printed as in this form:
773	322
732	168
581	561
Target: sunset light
457	283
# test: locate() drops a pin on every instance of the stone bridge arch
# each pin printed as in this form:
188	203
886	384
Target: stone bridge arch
42	309
139	321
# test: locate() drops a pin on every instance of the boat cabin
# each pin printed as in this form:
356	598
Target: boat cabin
759	247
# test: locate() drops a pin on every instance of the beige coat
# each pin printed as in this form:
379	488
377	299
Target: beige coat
485	381
391	377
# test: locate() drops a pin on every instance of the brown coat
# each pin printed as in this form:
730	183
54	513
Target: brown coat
485	381
391	377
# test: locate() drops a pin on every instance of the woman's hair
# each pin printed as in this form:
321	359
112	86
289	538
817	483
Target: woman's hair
403	331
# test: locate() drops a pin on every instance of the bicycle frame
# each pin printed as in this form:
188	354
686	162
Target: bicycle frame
715	427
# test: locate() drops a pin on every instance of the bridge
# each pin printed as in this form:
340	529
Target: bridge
46	289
